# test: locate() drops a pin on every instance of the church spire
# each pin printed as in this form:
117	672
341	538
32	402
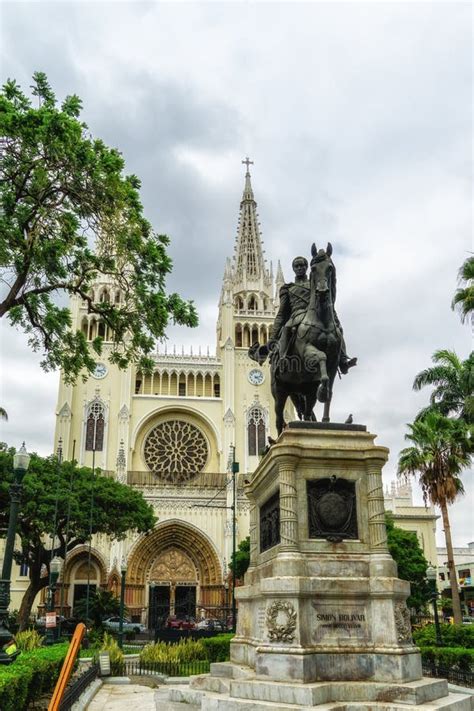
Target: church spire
279	281
249	261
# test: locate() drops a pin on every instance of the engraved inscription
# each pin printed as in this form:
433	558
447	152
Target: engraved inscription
336	623
261	621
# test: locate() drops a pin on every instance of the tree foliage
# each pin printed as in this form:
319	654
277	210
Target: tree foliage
452	380
440	449
463	299
102	604
61	189
242	558
406	551
117	510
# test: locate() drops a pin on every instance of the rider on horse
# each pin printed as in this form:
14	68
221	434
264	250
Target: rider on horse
294	301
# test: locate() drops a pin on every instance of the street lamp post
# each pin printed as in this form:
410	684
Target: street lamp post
21	462
55	568
123	570
235	471
431	577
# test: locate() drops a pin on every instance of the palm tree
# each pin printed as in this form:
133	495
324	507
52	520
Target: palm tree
441	449
453	381
463	299
3	414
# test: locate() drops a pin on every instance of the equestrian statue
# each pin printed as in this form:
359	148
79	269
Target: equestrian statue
306	345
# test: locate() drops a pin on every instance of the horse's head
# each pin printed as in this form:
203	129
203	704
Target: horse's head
322	270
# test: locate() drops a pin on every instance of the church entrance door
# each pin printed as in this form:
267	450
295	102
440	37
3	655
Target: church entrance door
159	605
185	601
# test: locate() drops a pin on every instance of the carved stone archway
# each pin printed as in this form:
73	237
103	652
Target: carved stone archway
175	552
81	554
173	566
179	536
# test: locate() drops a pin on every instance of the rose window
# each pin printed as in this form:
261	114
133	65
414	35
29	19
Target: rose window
176	451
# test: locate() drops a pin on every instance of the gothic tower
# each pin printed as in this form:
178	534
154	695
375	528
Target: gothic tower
211	407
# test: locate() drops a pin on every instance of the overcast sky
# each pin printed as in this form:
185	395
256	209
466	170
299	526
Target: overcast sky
359	119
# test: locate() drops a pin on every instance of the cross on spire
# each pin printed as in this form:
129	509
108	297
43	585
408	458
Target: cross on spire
247	162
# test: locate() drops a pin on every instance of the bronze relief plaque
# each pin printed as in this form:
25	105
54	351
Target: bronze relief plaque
332	510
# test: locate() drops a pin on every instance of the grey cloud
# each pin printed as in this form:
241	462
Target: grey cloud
358	117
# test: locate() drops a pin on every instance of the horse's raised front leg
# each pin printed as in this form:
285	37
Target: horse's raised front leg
315	360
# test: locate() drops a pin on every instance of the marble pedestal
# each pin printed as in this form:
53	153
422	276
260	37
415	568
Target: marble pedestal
322	616
321	600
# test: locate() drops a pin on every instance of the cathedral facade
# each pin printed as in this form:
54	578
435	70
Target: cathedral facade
173	435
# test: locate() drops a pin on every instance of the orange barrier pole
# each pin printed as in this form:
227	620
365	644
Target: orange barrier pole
67	666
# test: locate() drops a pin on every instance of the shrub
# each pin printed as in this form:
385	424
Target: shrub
187	650
454	658
30	675
218	647
28	640
110	645
451	635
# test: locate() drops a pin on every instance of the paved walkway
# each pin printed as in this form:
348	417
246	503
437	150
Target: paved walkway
123	697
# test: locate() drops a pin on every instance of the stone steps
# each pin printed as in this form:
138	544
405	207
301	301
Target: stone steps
223	694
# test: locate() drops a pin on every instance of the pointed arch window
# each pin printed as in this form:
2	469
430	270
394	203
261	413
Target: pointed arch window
256	431
95	425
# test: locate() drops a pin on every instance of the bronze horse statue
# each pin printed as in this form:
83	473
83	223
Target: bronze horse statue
313	355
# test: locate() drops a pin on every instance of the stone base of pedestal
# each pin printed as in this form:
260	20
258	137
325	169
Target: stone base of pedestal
232	687
322	616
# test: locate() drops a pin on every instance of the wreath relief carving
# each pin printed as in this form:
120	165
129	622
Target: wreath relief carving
281	621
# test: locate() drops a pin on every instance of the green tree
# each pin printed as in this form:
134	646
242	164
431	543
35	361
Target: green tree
453	382
102	604
3	414
411	562
440	449
61	189
117	510
463	299
242	558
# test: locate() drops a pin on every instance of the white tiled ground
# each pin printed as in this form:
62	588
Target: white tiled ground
123	697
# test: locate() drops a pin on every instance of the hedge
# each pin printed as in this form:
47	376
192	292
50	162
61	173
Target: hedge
454	658
30	675
451	635
218	647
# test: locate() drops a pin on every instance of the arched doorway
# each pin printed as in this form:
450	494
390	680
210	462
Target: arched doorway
79	575
175	570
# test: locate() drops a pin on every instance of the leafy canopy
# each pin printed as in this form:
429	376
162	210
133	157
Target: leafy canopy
411	562
117	510
242	558
452	380
440	449
463	299
61	190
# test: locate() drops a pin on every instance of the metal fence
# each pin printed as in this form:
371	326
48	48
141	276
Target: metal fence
454	676
132	667
77	687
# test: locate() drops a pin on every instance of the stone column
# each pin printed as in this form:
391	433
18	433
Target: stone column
376	509
288	505
253	535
